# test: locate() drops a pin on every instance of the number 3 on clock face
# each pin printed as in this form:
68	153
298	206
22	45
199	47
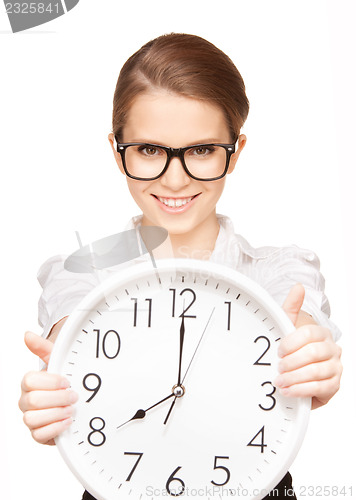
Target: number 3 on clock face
174	369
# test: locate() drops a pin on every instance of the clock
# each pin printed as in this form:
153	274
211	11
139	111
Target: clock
174	367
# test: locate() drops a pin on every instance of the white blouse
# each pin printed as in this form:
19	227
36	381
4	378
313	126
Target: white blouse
275	269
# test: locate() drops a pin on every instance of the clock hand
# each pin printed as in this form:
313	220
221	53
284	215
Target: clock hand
170	410
182	332
201	338
142	413
179	395
177	390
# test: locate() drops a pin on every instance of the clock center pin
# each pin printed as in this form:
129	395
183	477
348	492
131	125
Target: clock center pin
178	390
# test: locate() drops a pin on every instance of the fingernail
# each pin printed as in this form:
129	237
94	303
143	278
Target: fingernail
68	410
285	391
67	422
278	381
280	352
280	367
73	397
64	383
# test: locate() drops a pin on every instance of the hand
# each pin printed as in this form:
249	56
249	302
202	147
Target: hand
310	364
45	400
142	413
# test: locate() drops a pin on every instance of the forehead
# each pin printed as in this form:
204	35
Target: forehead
174	120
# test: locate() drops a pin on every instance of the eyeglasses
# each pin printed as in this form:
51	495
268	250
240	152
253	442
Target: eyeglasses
147	162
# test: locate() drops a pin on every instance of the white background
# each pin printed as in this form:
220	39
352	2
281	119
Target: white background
295	181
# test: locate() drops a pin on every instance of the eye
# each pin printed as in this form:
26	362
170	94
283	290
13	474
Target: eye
202	151
149	150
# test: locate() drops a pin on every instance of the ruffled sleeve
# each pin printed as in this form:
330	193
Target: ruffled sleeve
62	291
279	269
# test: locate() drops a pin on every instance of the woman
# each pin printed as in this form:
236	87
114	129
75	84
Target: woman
179	106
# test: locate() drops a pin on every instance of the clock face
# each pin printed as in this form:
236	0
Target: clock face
174	368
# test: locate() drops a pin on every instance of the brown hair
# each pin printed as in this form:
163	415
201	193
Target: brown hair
187	65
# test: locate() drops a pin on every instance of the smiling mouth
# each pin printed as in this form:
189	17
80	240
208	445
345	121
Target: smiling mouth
175	202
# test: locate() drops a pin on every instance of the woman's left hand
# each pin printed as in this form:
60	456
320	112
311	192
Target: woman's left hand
310	363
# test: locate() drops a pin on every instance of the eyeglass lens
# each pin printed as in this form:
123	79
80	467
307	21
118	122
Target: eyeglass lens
204	162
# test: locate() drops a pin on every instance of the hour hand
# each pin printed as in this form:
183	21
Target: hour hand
142	413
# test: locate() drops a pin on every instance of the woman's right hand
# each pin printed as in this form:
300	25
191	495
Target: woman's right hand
45	398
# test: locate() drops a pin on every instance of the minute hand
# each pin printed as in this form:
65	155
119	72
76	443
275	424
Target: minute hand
201	338
181	341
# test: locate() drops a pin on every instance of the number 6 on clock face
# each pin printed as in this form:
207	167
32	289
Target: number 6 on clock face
174	369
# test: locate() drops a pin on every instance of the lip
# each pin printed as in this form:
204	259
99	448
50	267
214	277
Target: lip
176	210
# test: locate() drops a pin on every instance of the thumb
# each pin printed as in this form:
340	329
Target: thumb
294	301
39	346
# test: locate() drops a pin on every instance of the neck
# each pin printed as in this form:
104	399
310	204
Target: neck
198	243
195	245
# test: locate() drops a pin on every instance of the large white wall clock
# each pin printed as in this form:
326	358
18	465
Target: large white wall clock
174	367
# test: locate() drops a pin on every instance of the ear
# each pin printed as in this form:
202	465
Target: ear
117	155
235	156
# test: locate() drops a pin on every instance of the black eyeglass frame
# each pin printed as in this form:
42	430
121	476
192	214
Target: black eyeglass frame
174	153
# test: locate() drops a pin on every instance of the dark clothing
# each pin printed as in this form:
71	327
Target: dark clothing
283	489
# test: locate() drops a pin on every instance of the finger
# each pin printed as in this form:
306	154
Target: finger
294	301
43	381
46	434
302	336
316	371
323	390
40	418
40	400
39	346
306	355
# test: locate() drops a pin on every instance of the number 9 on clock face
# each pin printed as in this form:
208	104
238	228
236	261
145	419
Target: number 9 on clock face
174	367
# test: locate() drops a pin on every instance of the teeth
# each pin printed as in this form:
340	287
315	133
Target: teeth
170	202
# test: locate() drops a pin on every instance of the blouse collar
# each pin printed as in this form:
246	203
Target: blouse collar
226	250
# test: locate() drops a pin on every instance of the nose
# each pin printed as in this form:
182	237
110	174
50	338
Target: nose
175	177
